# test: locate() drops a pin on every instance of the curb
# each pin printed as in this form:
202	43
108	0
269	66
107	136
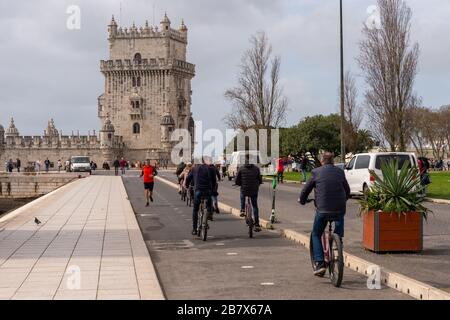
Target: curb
396	281
438	201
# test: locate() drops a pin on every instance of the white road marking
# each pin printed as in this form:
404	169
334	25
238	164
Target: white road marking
247	267
232	254
220	244
267	284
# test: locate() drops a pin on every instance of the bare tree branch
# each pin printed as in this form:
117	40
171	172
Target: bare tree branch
258	100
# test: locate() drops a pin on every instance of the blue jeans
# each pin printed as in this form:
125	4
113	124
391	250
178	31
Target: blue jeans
254	200
304	175
320	223
197	200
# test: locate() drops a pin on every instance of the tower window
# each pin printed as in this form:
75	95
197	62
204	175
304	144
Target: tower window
136	81
136	128
138	58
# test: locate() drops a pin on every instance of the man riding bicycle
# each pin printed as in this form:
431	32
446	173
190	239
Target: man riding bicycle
331	192
204	178
249	179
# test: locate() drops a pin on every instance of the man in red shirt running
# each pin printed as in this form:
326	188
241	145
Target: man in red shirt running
148	172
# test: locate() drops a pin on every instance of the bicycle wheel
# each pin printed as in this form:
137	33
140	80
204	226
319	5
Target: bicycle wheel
199	222
249	217
205	227
336	266
311	252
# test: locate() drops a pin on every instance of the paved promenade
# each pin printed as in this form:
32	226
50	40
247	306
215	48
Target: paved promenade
88	246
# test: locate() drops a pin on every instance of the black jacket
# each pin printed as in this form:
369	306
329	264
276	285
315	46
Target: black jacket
331	190
304	163
249	178
180	168
203	177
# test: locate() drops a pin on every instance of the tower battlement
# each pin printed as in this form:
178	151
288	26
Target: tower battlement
163	31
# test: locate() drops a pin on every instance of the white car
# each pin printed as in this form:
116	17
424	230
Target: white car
357	170
238	159
80	164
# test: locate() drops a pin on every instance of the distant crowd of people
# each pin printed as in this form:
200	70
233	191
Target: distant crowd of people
41	166
439	165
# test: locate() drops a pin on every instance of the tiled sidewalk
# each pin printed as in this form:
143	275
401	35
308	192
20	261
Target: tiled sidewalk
88	246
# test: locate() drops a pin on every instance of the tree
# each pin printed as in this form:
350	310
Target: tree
430	128
390	66
353	113
258	100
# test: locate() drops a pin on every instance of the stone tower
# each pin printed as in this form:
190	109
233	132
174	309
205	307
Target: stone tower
147	87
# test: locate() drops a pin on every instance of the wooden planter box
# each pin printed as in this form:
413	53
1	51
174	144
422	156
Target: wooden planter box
386	232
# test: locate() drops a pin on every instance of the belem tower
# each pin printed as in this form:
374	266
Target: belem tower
147	96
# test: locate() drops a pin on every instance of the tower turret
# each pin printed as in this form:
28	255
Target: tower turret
12	130
107	134
183	27
112	28
165	23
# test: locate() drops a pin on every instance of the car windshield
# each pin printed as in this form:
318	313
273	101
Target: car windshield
80	160
386	158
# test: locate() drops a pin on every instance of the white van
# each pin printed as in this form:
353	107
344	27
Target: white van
357	170
238	159
80	164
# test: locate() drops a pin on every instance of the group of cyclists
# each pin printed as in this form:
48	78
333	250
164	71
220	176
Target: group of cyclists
331	191
202	182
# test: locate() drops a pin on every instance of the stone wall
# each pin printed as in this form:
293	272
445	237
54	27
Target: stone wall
32	185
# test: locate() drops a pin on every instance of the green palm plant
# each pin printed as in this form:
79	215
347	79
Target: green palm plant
398	191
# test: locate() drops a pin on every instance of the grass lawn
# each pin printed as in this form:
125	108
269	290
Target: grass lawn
440	185
439	188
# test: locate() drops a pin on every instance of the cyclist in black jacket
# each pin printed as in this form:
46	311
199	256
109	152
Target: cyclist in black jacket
204	178
249	179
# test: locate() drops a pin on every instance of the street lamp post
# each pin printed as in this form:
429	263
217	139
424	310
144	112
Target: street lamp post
342	86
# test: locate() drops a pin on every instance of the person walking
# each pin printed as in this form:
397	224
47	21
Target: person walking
10	166
59	165
280	170
38	166
123	165
116	165
304	167
47	165
331	191
18	164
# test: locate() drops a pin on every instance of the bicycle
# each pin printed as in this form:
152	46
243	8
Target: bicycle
332	251
202	221
249	216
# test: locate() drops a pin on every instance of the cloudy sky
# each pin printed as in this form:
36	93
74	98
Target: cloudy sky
48	70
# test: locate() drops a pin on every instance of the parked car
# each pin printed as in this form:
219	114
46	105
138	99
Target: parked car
238	159
357	170
340	165
80	164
